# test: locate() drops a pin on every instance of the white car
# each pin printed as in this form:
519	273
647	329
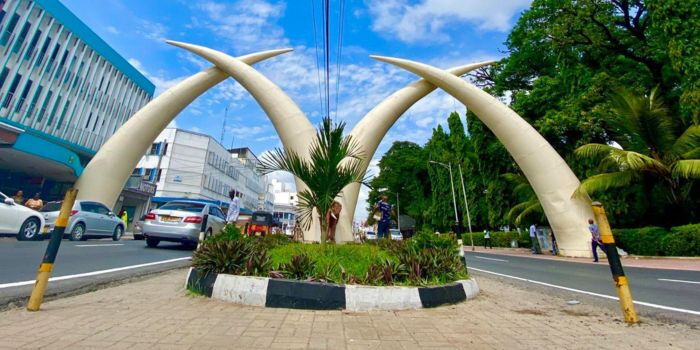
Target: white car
370	236
18	219
395	234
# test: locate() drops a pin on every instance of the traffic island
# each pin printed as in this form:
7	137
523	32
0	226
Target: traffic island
295	294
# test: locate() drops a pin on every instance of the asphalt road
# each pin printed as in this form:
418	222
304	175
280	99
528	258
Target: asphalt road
660	289
81	264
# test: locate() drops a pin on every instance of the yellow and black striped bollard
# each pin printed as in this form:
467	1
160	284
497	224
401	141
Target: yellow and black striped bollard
623	288
42	277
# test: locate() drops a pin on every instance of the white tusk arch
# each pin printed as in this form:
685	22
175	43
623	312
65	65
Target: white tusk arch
370	131
549	175
104	177
292	126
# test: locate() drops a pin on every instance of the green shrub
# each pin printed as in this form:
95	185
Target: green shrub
641	241
499	239
222	256
682	241
228	233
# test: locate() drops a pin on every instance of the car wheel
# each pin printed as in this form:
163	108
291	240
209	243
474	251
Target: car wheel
118	232
78	233
29	230
152	243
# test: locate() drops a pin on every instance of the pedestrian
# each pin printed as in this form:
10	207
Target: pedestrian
595	239
234	207
555	249
35	202
487	239
385	209
533	237
332	219
125	217
19	197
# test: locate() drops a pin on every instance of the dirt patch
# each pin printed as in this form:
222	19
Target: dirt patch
531	312
572	312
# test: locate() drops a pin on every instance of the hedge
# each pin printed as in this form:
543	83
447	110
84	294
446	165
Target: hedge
679	241
499	238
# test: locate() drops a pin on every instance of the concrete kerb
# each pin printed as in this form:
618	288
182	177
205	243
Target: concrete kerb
267	292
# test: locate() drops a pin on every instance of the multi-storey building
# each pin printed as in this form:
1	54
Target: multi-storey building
63	93
285	205
186	164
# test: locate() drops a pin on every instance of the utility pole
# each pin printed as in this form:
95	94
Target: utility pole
398	212
466	204
452	184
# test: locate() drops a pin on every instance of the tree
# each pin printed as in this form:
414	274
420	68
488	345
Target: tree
650	149
334	162
529	206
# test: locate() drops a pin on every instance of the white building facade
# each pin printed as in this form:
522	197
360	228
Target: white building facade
285	204
63	93
190	165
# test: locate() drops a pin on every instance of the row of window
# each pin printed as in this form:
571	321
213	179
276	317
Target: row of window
222	164
217	186
56	78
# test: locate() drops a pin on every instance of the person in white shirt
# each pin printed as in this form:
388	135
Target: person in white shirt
487	239
533	237
234	207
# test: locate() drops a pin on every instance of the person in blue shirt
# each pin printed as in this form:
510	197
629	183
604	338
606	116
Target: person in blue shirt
386	211
595	239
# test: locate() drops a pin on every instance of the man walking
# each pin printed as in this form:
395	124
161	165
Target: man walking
533	237
234	207
385	209
595	239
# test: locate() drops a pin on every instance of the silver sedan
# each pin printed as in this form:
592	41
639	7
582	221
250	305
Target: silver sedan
182	221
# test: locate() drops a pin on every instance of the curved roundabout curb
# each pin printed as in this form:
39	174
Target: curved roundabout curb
294	294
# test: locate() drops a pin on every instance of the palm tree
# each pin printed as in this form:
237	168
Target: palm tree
334	162
529	205
650	147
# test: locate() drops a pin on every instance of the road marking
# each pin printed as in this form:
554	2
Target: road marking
485	258
679	281
656	306
99	245
93	273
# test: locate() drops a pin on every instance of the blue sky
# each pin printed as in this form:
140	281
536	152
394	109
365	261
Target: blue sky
444	33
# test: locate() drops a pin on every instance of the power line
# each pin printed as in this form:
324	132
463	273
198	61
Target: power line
318	64
338	58
326	48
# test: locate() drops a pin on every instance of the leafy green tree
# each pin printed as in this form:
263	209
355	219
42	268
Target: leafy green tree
650	150
334	162
529	206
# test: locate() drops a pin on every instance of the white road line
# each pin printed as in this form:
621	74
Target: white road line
679	281
656	306
93	273
99	245
485	258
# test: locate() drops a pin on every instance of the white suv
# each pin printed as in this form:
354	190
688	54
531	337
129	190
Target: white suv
18	219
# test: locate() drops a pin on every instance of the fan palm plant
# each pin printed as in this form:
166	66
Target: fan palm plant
334	162
645	131
529	205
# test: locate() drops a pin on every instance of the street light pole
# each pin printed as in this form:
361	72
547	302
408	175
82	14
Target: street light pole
398	212
452	184
466	204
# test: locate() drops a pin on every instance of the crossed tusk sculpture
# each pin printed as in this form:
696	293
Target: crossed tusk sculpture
553	181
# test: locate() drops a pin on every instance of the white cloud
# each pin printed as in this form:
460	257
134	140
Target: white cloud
245	24
246	132
153	31
426	20
158	80
112	29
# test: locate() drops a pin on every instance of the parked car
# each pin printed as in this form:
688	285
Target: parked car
18	219
87	219
370	236
181	221
261	224
395	234
138	228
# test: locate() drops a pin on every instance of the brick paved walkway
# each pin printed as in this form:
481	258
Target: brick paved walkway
157	314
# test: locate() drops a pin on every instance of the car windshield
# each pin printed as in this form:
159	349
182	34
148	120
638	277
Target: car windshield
260	218
51	206
191	207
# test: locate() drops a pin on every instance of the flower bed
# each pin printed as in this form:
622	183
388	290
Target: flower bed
424	271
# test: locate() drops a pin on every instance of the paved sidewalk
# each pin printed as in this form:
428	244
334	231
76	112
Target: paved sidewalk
674	263
157	314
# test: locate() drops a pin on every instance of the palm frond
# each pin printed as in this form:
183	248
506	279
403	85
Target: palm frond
689	141
621	160
692	154
602	182
593	150
688	169
524	209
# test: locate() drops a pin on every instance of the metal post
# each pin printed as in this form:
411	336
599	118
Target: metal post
454	198
466	204
398	212
44	273
623	289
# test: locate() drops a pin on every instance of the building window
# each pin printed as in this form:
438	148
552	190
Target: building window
137	171
10	29
11	92
23	96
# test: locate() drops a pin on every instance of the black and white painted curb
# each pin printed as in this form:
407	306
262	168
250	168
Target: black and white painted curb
293	294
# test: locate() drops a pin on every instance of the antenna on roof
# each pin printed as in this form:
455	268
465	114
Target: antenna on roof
223	127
